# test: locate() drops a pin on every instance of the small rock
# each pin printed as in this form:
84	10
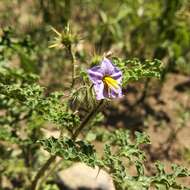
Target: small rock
81	176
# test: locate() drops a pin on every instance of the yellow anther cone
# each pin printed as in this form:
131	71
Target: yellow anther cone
110	82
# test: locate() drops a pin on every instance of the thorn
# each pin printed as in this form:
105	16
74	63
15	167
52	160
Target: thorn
98	173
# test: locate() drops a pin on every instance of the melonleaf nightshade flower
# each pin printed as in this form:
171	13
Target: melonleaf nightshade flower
106	79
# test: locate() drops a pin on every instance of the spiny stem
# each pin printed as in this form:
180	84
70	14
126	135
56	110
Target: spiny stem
50	171
41	172
87	119
73	59
35	183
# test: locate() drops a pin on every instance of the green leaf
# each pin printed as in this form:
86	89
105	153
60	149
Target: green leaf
71	150
134	69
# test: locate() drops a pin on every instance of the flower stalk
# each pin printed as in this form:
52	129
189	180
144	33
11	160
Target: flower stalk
73	60
87	119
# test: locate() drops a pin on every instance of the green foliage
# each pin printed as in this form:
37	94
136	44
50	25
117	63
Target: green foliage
134	69
166	181
23	49
118	147
71	150
117	165
30	95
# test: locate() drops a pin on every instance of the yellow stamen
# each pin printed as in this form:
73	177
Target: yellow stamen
110	82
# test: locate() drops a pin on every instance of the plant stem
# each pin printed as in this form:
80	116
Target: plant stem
35	183
87	119
41	172
73	59
50	171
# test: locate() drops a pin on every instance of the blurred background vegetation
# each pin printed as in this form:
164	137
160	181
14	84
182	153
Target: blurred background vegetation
140	28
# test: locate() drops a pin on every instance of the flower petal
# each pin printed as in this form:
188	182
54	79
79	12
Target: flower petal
95	74
99	90
107	80
102	92
115	93
107	67
117	75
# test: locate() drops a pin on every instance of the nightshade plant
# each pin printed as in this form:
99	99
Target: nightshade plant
26	108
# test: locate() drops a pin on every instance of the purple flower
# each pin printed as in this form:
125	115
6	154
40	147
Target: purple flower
107	80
